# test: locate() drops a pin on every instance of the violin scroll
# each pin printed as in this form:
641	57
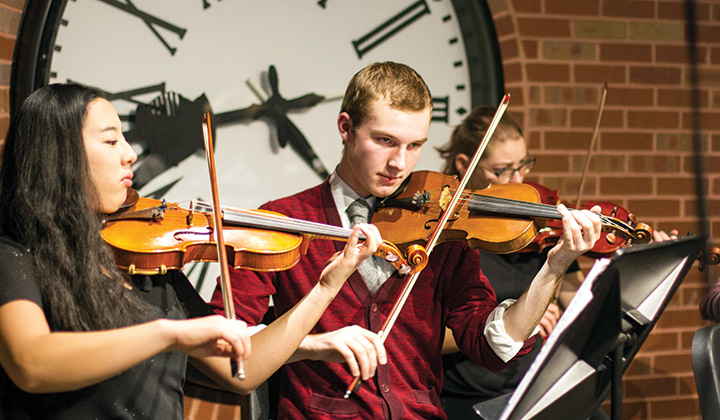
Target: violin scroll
417	257
643	233
712	256
611	239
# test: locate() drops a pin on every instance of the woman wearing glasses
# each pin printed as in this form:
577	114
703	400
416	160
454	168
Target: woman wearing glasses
505	160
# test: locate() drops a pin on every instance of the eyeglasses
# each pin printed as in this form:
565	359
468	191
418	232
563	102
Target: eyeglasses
505	174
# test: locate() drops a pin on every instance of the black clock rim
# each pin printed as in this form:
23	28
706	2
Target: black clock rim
41	19
482	51
36	34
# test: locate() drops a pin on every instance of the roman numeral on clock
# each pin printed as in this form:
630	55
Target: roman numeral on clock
128	95
150	20
387	29
441	106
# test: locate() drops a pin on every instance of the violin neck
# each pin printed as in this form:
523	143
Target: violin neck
508	207
286	224
522	209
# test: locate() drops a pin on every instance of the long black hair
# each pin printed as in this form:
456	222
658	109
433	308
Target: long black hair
46	191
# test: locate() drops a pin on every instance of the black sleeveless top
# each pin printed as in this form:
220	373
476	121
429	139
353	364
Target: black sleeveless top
150	390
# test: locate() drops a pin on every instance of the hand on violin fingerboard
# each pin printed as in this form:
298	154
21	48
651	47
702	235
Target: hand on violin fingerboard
581	229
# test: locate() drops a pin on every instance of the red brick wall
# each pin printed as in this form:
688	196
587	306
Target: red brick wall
10	13
557	54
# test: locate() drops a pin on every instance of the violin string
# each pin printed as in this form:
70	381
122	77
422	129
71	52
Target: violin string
502	205
248	218
279	223
548	210
505	206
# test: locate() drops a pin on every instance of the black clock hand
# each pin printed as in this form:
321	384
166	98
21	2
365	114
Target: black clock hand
276	108
273	81
284	105
250	113
305	101
254	111
167	128
288	131
150	21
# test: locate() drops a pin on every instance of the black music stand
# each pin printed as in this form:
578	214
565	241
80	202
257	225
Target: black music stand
602	329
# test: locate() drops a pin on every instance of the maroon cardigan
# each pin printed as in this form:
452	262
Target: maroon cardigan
451	291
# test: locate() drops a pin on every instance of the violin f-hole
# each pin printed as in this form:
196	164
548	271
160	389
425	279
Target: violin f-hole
178	235
453	218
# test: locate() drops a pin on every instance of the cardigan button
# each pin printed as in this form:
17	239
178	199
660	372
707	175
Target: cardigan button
373	307
385	388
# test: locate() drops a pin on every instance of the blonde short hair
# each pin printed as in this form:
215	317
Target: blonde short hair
398	83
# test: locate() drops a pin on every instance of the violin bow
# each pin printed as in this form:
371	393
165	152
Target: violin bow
601	107
435	236
237	369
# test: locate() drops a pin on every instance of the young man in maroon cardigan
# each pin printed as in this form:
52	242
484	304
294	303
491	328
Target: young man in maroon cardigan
384	123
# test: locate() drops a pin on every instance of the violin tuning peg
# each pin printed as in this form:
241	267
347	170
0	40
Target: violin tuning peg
611	238
404	270
631	219
390	257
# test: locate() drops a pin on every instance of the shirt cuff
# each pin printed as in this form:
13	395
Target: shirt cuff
502	344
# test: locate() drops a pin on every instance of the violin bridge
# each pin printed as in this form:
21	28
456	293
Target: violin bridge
189	217
445	197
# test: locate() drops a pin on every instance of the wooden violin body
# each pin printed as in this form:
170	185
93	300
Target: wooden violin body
502	218
152	236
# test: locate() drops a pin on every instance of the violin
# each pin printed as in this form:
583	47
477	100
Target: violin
549	235
608	242
149	236
502	218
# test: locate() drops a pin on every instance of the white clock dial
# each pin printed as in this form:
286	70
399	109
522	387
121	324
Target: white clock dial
108	44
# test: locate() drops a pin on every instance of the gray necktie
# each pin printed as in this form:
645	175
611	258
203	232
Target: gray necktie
371	269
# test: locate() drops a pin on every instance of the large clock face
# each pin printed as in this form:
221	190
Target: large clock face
163	62
143	49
